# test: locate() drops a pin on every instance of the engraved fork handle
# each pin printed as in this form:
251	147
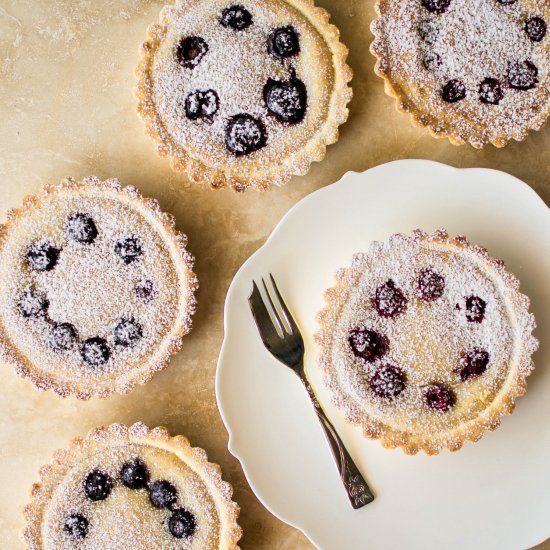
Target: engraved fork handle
356	487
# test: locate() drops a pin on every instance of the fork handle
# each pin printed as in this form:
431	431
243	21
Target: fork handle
356	487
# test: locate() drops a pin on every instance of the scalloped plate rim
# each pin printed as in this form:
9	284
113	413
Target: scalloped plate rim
233	446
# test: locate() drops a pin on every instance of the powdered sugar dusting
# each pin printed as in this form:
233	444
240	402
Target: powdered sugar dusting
128	512
237	66
93	289
126	517
427	339
478	40
471	41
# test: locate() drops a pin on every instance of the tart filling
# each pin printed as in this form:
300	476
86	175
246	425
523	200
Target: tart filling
426	341
231	94
131	484
474	71
97	288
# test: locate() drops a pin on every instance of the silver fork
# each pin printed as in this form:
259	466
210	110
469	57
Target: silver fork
285	343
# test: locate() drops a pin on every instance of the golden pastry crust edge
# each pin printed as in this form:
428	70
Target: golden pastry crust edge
502	405
279	173
51	475
150	208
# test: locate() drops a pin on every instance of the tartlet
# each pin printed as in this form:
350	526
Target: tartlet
426	341
97	288
243	94
120	488
474	71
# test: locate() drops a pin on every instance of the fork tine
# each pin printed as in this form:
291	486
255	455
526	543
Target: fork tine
285	311
275	312
263	320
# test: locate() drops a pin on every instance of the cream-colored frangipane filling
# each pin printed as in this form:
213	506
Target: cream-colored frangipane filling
426	341
237	66
92	288
127	518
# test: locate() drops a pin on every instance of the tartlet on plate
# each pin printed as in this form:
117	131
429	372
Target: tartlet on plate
474	71
243	94
426	341
120	488
97	288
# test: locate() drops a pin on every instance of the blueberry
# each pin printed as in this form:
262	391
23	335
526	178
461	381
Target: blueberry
203	105
77	526
33	303
367	344
475	309
430	285
387	381
453	91
163	494
81	228
428	31
283	42
95	351
244	134
287	100
98	485
490	91
134	474
182	523
473	363
191	50
42	256
535	27
522	75
236	17
388	300
127	333
431	61
436	6
129	249
440	398
145	291
62	337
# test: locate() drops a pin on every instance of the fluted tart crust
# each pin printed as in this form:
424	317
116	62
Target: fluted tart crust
426	341
97	288
131	486
243	95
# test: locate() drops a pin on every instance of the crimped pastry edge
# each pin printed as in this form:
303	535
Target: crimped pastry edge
420	119
278	173
196	458
490	418
150	208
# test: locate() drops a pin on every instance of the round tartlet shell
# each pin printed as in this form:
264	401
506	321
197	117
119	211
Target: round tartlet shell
490	418
423	119
52	474
148	207
278	172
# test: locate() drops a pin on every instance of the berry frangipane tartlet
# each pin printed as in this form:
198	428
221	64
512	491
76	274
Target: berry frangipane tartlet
97	288
121	488
426	341
475	71
243	94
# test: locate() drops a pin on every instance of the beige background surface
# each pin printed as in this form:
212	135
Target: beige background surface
66	109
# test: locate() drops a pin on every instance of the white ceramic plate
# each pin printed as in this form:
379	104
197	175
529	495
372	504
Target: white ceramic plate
491	495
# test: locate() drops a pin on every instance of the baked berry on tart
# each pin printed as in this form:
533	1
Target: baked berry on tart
243	94
475	71
121	488
426	341
97	288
